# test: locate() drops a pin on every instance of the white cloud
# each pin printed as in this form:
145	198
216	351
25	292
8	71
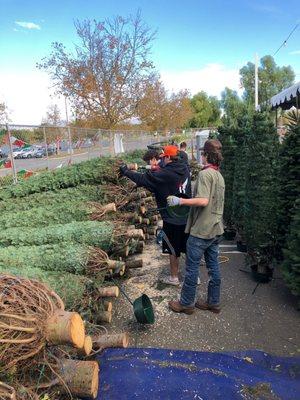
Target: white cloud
292	53
212	78
28	95
28	25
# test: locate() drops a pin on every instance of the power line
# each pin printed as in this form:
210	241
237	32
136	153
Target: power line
285	41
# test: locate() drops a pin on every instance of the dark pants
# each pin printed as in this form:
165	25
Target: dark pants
195	248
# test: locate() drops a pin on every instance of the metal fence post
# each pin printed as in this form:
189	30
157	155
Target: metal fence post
46	147
12	160
112	143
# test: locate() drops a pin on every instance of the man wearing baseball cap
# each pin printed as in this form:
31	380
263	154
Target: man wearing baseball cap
172	179
205	227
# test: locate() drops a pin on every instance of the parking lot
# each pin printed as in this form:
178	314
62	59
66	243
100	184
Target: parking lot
34	157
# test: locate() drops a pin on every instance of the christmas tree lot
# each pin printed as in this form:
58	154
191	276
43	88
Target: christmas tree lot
262	185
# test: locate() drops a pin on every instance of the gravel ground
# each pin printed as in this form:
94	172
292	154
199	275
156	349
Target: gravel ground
265	320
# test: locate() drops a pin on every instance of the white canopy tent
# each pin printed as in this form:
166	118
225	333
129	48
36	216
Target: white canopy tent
287	98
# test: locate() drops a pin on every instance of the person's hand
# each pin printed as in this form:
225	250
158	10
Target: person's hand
173	201
123	169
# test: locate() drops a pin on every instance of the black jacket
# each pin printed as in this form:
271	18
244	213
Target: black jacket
172	179
184	157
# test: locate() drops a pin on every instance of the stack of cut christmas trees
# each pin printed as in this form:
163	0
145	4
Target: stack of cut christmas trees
71	229
44	349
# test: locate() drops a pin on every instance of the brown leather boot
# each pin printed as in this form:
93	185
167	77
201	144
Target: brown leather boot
202	305
177	307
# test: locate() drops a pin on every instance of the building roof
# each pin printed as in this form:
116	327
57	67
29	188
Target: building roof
287	98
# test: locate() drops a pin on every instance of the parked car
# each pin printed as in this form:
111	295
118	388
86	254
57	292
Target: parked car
17	153
27	153
39	153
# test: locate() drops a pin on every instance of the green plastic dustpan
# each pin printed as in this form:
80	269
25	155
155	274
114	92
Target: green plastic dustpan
142	307
143	310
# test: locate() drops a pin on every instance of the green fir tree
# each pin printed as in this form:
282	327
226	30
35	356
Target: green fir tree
291	264
261	191
289	178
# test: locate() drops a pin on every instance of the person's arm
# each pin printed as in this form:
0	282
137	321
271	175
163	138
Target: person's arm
201	198
138	178
196	202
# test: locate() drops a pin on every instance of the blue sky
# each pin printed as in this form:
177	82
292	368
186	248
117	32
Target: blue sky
199	44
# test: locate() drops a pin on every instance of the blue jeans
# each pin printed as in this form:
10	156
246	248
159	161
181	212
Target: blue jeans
195	248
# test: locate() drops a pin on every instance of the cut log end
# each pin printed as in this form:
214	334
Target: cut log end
115	264
81	377
77	330
111	207
134	263
106	341
104	316
108	306
87	347
135	233
65	327
109	291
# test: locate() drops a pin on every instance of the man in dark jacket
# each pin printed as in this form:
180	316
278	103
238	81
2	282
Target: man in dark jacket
172	179
183	154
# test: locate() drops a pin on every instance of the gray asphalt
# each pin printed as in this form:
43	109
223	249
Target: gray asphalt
267	320
34	164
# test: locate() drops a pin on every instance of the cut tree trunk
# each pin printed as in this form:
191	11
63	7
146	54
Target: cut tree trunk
114	265
65	327
105	341
104	316
151	230
81	377
108	306
135	234
87	347
109	291
138	248
134	263
146	200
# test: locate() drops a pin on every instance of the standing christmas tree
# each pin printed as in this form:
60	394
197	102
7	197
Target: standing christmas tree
289	216
261	190
291	264
239	179
289	178
227	138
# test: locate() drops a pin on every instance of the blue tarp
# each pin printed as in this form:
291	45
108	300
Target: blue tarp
161	374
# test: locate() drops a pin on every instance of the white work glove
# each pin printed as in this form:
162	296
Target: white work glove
173	201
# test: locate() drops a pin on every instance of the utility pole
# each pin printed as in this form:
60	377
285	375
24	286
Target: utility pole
256	81
69	131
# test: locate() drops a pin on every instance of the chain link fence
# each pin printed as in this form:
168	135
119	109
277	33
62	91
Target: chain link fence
26	148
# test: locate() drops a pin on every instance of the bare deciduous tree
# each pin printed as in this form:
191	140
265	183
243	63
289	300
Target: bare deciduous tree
53	116
4	114
105	77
